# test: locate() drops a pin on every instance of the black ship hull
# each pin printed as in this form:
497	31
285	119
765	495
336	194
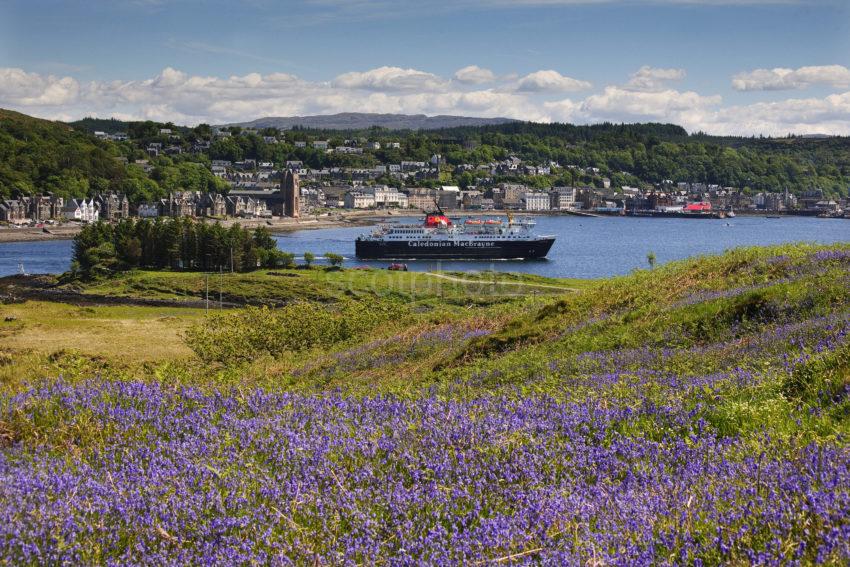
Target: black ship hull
453	250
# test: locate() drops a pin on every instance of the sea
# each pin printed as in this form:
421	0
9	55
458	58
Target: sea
585	247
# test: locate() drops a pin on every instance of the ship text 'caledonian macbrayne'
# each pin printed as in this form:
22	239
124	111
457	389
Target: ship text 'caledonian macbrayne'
439	238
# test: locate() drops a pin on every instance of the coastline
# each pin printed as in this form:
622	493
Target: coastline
32	234
276	226
282	225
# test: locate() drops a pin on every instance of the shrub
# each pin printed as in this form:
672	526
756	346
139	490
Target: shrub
240	336
334	259
276	259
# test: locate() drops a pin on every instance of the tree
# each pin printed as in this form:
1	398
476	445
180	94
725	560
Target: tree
90	237
335	260
263	238
203	131
650	258
308	258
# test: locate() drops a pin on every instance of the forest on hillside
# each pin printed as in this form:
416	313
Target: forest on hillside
39	156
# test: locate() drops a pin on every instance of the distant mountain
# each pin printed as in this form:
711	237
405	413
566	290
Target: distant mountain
362	120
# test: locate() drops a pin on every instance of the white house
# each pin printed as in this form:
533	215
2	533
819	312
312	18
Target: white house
81	210
148	211
536	201
359	200
389	197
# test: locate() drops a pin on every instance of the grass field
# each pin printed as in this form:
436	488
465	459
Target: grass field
121	332
320	284
695	413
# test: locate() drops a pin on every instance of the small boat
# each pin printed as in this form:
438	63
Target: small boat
773	217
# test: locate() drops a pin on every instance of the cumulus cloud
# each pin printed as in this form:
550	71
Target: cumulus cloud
390	79
549	80
653	78
190	99
780	78
828	115
31	89
178	96
473	74
616	103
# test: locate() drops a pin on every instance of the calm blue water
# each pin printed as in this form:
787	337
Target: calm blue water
47	257
585	247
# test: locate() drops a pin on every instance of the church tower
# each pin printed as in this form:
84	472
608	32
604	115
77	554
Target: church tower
291	194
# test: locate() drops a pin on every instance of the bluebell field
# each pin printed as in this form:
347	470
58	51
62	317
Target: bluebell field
600	437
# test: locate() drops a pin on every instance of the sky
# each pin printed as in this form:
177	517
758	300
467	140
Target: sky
741	67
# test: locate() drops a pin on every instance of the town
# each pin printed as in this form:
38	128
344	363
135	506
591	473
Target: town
285	186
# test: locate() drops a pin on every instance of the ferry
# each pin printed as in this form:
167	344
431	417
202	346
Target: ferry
438	237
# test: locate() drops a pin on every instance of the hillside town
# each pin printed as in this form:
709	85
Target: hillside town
254	188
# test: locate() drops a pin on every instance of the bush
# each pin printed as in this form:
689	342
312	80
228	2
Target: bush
240	336
276	259
334	259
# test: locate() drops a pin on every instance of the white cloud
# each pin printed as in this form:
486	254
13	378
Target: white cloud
473	74
828	115
390	79
31	89
549	80
617	104
786	79
189	99
653	78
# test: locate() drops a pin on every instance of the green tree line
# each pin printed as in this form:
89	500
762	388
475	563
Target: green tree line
177	244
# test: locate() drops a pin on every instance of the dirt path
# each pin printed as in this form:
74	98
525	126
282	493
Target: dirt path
486	282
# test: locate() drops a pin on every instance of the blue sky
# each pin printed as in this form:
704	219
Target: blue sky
723	66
